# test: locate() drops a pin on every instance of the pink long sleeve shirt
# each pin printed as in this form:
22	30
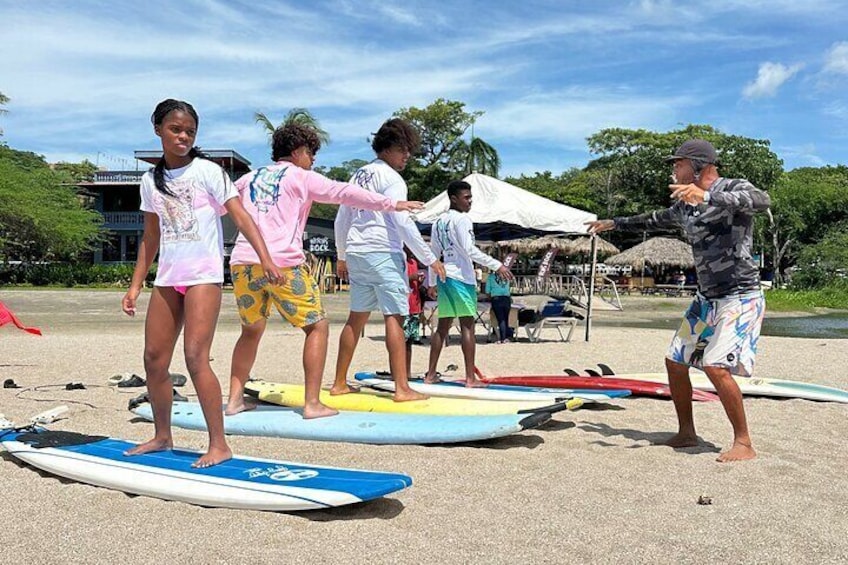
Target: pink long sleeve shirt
279	197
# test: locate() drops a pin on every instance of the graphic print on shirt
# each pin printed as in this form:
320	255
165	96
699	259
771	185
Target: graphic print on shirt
365	179
265	188
179	222
441	231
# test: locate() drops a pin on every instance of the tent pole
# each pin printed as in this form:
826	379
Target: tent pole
591	285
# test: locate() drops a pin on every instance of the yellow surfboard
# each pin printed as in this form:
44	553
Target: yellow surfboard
293	395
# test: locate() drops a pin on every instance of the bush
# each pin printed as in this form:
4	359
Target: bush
69	274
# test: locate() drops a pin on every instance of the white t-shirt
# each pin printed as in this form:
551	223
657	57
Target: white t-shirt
452	238
366	231
191	242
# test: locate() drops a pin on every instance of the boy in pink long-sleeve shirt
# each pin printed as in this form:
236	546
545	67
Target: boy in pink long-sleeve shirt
278	198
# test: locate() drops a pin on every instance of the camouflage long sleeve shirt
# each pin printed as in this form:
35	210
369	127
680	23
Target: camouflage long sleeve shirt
721	233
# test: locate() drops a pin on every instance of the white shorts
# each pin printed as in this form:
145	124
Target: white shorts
720	333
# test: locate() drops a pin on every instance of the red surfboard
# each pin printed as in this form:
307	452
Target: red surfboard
637	388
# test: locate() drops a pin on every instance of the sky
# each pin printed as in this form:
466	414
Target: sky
83	77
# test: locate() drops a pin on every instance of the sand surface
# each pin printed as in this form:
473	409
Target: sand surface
590	487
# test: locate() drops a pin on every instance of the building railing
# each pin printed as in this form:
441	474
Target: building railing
118	176
123	219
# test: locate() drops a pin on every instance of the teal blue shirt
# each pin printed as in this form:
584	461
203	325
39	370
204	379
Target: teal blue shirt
496	286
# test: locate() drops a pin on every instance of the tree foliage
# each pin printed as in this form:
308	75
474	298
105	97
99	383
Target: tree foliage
3	101
807	204
300	116
78	172
444	154
41	217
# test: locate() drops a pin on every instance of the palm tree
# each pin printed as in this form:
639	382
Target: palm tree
476	157
300	116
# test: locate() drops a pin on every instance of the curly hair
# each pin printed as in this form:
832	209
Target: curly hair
396	132
288	137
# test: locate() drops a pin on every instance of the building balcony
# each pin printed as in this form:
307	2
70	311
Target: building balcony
123	220
118	177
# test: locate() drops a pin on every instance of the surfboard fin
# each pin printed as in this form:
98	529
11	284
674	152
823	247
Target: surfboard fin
605	369
49	416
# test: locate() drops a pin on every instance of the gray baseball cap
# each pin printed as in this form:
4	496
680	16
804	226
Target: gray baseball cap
697	149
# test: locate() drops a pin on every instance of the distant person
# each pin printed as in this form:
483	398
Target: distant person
370	251
278	197
453	239
721	328
412	321
497	288
182	200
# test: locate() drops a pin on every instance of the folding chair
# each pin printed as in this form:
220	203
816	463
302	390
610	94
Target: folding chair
552	315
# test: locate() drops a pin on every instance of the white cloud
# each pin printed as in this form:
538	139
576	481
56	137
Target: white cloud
836	60
770	77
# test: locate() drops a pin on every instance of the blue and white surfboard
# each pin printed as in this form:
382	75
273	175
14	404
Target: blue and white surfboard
242	482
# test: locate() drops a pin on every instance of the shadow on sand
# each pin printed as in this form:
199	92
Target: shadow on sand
643	439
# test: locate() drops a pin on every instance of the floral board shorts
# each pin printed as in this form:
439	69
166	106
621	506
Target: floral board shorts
720	333
412	328
297	299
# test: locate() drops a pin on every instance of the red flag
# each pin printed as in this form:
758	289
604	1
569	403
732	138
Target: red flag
7	317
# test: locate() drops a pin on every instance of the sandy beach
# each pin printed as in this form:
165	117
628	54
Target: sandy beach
589	487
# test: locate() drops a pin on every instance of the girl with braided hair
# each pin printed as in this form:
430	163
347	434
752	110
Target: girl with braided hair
182	199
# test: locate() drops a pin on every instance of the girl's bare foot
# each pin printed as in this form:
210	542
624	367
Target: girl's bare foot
738	452
213	457
475	383
151	446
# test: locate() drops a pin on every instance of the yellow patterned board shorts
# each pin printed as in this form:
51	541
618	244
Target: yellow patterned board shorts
297	299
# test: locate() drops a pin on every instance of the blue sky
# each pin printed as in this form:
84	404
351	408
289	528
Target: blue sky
84	76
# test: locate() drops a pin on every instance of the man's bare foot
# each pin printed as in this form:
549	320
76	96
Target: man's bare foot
151	446
240	405
345	389
432	379
682	440
317	410
213	457
475	383
409	395
738	452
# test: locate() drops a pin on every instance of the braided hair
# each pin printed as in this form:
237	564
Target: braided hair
164	108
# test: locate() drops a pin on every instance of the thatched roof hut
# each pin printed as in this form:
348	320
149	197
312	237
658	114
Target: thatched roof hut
566	245
657	251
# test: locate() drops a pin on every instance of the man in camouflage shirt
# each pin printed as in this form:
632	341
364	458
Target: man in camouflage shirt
720	330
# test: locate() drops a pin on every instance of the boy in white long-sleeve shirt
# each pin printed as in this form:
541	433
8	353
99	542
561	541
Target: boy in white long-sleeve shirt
369	245
452	239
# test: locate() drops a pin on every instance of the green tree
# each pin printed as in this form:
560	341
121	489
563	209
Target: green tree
824	263
41	217
444	154
572	187
79	172
3	101
300	116
807	204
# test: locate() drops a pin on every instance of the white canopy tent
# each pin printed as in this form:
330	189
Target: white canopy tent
498	202
499	207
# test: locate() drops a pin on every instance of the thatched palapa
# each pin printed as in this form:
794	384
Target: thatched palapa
657	251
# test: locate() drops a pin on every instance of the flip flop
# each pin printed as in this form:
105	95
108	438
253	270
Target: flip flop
142	398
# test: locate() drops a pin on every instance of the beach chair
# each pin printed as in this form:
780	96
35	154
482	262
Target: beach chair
553	314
